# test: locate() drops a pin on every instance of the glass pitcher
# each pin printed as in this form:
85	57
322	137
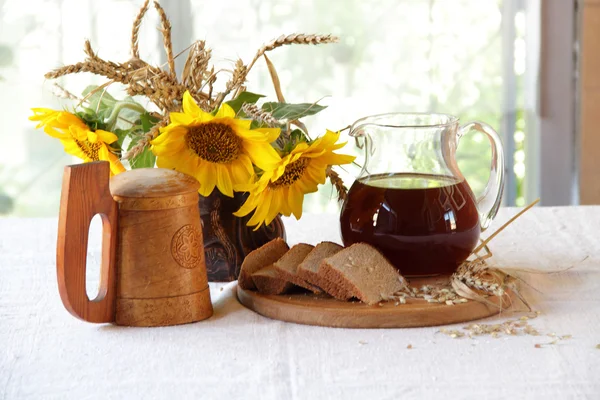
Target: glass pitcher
410	199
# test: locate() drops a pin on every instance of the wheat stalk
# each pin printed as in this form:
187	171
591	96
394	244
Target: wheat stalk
166	32
238	78
87	49
475	279
285	40
196	66
146	139
259	115
61	92
294	38
135	30
212	78
338	183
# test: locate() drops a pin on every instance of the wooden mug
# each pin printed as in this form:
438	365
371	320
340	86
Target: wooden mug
153	271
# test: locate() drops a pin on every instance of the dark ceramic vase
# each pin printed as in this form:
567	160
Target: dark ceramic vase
227	239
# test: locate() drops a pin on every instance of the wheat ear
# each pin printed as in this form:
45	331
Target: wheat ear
259	115
238	78
338	183
146	139
135	30
196	66
166	32
283	40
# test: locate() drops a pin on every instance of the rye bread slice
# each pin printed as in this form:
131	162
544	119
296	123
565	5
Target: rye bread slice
287	266
260	258
309	270
363	271
267	281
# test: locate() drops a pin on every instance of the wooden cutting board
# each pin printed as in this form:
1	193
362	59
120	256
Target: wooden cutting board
310	309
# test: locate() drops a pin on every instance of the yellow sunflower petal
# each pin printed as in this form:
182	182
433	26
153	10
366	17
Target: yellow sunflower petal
329	138
73	149
249	205
207	176
260	214
255	135
92	137
240	175
115	164
189	105
225	112
173	133
241	123
300	148
316	174
337	146
78	133
336	159
181	118
165	162
107	137
271	133
285	208
224	180
262	155
67	119
172	150
295	200
276	206
306	185
51	131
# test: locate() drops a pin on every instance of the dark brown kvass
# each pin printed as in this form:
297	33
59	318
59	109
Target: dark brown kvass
424	224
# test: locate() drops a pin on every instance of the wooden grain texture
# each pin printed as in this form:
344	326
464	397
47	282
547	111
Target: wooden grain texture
160	253
311	309
164	311
153	267
85	193
589	162
161	274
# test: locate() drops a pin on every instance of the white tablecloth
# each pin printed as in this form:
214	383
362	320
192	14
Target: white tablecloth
45	353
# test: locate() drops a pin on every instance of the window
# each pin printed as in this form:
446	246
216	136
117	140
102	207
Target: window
476	59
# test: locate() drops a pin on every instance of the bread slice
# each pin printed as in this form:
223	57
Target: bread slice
260	258
363	271
287	266
309	270
267	281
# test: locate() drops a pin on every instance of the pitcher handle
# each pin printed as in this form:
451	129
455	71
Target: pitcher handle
489	202
85	193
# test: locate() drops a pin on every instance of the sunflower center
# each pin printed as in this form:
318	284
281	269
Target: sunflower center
214	142
89	149
293	172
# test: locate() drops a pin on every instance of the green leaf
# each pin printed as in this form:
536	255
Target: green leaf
244	97
296	136
91	119
121	134
292	112
101	100
146	159
148	121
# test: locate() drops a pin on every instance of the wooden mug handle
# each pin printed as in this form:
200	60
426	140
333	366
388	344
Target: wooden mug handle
85	193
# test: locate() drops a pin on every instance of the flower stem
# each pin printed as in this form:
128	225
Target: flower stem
120	106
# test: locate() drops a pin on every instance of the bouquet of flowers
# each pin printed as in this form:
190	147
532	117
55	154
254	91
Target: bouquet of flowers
230	140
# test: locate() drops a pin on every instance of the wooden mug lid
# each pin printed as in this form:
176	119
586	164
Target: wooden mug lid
154	189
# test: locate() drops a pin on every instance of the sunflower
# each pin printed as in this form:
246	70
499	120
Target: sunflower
217	150
77	138
282	189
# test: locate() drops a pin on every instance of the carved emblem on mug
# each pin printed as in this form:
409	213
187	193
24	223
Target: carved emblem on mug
185	246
